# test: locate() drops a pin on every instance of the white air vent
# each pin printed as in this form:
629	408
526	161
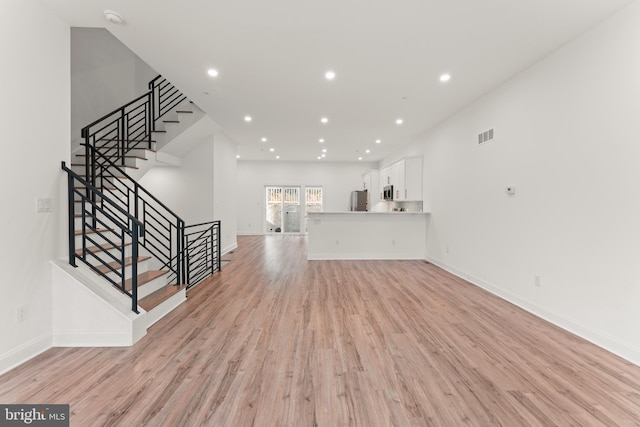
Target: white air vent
485	136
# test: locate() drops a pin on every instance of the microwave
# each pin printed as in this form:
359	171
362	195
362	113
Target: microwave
387	192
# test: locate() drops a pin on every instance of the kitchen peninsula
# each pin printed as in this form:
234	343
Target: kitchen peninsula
367	235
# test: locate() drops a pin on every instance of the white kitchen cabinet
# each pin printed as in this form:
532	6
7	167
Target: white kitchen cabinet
413	178
366	181
406	177
397	180
393	175
371	183
383	178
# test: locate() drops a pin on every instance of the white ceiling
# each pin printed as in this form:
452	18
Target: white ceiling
387	54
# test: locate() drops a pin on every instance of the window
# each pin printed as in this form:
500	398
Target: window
313	203
284	207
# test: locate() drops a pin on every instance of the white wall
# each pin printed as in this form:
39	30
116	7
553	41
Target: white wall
186	189
225	191
105	74
568	138
35	138
201	189
337	180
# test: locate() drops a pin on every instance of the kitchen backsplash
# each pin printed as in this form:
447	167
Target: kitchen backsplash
401	206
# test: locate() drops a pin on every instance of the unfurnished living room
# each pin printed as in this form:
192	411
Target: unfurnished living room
283	213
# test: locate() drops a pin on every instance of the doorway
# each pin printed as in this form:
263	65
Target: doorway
286	207
282	213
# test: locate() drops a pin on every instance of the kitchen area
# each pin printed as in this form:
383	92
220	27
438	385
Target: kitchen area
385	221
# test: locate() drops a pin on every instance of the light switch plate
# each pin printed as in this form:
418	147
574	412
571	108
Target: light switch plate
44	205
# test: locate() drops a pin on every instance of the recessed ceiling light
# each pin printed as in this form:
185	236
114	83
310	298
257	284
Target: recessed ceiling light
277	157
324	155
399	121
367	151
324	150
329	75
359	158
272	149
324	120
263	139
212	72
237	156
321	140
445	78
319	157
378	141
113	17
247	118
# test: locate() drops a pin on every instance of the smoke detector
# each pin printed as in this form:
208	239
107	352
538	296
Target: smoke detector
113	17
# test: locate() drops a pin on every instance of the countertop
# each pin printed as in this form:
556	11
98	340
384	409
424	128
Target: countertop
369	213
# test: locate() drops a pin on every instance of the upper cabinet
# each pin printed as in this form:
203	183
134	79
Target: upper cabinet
413	178
397	180
371	183
406	178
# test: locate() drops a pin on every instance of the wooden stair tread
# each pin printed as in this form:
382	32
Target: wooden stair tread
82	187
127	262
145	277
127	156
100	230
79	215
111	176
129	140
159	296
95	249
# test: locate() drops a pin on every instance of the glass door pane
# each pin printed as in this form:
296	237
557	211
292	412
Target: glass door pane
291	217
273	213
313	203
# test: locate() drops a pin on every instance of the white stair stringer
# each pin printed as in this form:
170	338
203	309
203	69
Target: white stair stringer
181	138
89	313
166	307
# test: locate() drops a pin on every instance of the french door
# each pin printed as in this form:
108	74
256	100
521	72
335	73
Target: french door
286	208
282	213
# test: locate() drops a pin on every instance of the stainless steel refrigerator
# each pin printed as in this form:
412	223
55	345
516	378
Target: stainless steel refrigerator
358	201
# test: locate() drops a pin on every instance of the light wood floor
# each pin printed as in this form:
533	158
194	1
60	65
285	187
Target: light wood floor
276	340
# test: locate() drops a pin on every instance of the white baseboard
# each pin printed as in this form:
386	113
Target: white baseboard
358	257
601	339
25	352
229	248
92	339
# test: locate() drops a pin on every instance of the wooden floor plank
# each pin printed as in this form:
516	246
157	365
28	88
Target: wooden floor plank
277	340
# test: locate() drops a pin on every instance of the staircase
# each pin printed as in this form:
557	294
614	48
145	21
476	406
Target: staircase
119	233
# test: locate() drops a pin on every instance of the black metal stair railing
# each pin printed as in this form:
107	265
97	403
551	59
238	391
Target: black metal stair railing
202	249
131	126
108	195
105	231
163	228
164	97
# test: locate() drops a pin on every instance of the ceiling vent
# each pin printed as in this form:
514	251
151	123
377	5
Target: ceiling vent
485	136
